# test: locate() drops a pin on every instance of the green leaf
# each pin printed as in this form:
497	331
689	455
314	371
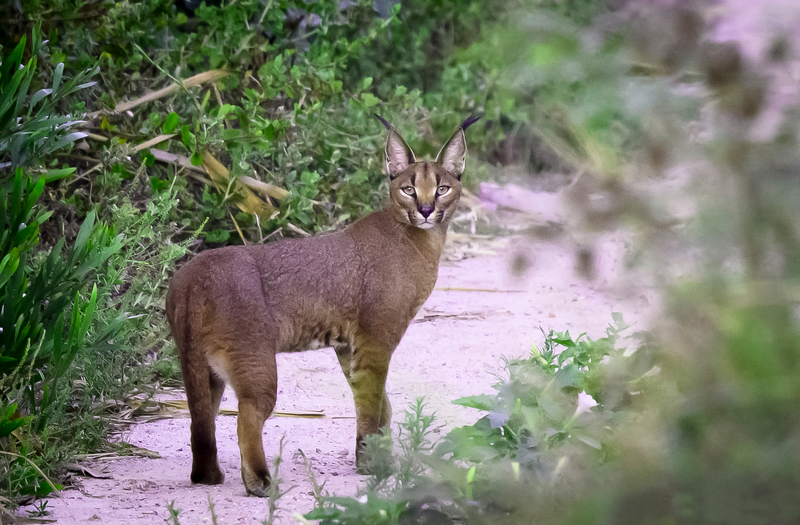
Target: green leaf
481	402
23	89
148	158
38	96
232	134
9	265
68	139
218	236
82	238
551	408
568	376
57	74
188	138
158	184
265	72
196	159
224	110
9	421
58	340
7	113
11	64
370	100
54	175
269	132
563	339
171	123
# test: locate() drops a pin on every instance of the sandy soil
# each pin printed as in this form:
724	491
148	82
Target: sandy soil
477	314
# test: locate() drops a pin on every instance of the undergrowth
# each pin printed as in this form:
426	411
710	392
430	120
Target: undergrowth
562	404
147	131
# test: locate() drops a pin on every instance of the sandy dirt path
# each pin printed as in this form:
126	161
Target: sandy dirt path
477	314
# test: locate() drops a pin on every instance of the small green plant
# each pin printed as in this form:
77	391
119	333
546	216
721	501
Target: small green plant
540	406
275	492
383	499
173	513
540	420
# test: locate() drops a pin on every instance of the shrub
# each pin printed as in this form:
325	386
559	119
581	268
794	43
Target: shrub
39	341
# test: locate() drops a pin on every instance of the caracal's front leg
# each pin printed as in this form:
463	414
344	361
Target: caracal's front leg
365	366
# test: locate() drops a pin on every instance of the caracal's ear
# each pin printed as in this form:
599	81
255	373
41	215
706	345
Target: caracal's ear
453	155
398	155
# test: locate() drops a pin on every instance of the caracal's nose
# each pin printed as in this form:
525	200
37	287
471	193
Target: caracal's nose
425	211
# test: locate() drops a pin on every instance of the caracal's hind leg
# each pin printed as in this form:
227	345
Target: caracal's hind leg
256	385
366	369
217	389
203	393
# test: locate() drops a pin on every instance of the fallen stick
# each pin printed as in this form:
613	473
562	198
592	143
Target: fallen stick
181	404
490	290
201	78
178	160
152	142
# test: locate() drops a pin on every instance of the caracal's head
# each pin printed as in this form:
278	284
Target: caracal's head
425	194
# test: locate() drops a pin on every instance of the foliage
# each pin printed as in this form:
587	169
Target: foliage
27	136
535	409
57	358
539	420
133	285
390	475
39	341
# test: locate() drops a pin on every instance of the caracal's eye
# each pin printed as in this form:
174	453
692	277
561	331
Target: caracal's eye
408	190
441	190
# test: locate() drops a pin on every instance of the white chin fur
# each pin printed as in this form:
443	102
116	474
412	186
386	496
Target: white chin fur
425	225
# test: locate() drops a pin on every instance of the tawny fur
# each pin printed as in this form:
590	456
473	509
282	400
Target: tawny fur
231	310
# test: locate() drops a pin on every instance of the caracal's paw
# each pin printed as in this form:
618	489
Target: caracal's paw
208	474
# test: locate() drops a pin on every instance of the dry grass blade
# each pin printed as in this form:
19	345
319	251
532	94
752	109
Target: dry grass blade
202	78
141	452
86	471
7	517
238	229
432	314
486	290
265	188
295	229
250	202
95	136
181	404
467	316
13	455
155	140
178	160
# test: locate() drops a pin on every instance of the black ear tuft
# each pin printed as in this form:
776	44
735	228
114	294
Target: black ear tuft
453	155
470	120
386	124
